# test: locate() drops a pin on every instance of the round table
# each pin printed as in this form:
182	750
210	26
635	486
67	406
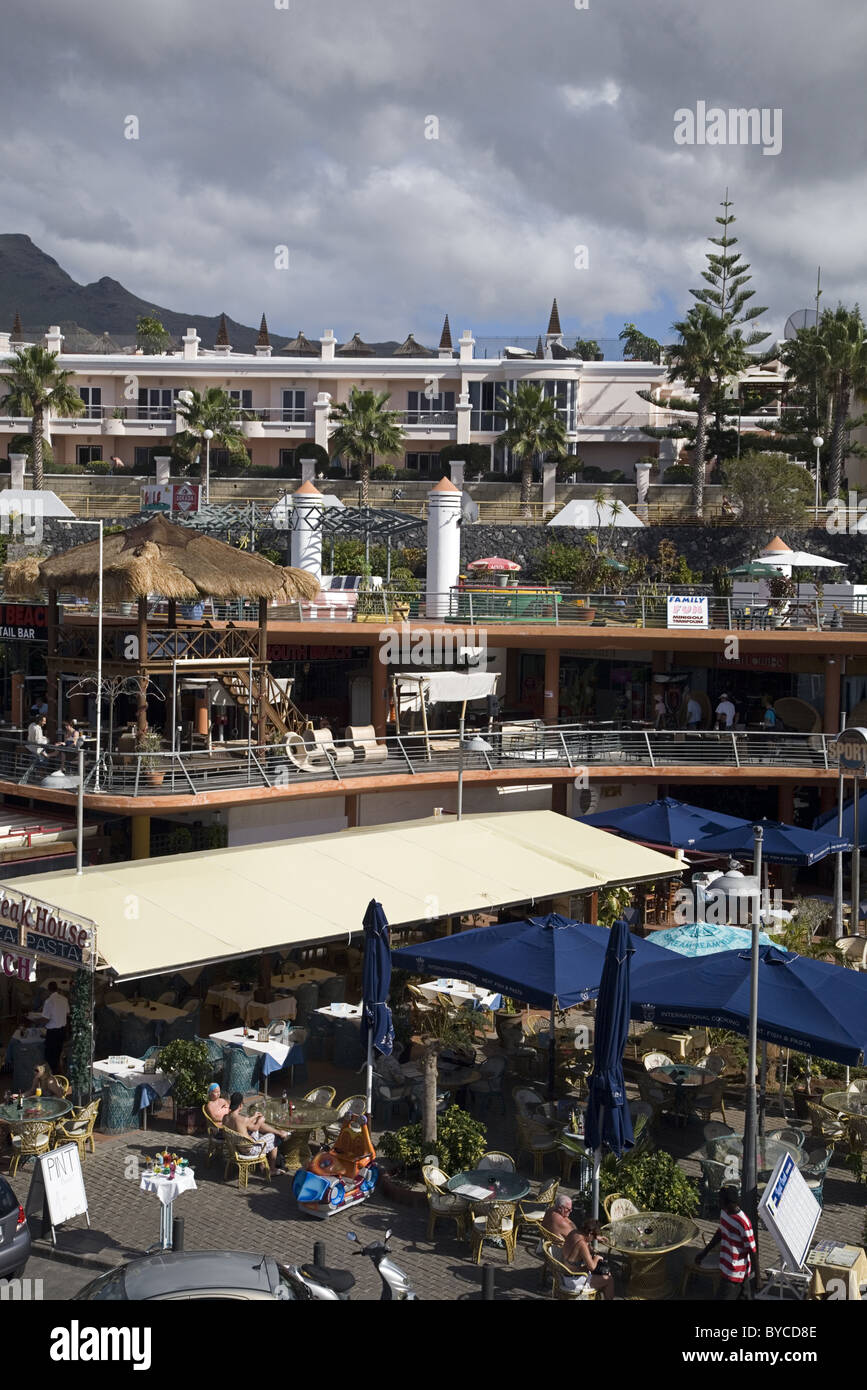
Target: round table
167	1189
35	1108
846	1102
768	1152
647	1238
684	1078
502	1187
303	1120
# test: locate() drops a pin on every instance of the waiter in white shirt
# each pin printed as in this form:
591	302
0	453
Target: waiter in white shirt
55	1011
725	712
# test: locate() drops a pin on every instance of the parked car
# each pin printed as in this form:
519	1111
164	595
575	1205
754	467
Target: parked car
208	1274
14	1234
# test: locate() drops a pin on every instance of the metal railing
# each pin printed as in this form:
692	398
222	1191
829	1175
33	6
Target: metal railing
578	748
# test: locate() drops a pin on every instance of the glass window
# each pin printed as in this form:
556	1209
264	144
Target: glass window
294	406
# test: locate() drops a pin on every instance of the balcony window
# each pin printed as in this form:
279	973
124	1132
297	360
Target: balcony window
156	403
86	453
92	397
486	399
242	399
424	464
294	407
429	410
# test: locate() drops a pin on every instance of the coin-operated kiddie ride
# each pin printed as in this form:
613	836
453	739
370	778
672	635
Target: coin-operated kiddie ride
339	1177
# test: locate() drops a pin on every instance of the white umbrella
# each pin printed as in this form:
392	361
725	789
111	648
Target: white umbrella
798	559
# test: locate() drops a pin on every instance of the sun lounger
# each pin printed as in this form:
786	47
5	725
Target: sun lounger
363	740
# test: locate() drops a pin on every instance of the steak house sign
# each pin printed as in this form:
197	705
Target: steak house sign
35	926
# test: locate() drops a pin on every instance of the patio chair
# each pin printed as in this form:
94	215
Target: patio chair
324	748
708	1098
708	1269
616	1207
238	1149
386	1096
332	991
494	1221
365	744
77	1128
356	1105
531	1210
714	1064
297	752
559	1272
216	1137
526	1099
29	1139
321	1095
490	1084
443	1205
814	1170
714	1177
306	1000
653	1060
239	1070
63	1082
537	1139
496	1162
824	1125
856	1135
854	948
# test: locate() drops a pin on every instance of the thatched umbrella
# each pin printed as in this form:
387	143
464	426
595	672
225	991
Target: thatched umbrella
159	557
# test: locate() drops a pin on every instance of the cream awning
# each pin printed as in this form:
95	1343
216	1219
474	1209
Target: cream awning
163	914
443	686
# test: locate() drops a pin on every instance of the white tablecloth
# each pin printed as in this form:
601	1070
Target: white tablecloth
149	1011
276	1050
350	1011
278	1008
462	993
167	1189
229	1001
135	1076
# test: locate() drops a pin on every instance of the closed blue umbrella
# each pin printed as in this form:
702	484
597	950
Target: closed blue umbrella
665	822
828	821
781	843
376	1026
706	939
608	1123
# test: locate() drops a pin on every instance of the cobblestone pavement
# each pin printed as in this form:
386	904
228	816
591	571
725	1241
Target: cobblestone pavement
125	1221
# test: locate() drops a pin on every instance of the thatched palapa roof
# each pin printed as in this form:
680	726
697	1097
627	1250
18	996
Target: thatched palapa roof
159	557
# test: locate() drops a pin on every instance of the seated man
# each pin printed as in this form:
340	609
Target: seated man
253	1127
217	1106
557	1220
579	1254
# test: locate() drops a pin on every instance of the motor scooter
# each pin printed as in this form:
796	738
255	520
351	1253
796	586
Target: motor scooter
334	1285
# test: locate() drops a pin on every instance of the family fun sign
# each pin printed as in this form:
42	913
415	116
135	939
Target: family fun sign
44	930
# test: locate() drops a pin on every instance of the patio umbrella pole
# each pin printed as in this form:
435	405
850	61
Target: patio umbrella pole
855	911
838	868
597	1169
552	1053
749	1192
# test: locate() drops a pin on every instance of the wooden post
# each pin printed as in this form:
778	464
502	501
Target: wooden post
141	837
350	810
51	626
173	613
378	693
142	704
593	914
263	662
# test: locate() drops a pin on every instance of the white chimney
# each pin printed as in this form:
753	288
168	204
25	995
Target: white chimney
443	546
17	465
329	345
191	342
54	339
306	542
466	344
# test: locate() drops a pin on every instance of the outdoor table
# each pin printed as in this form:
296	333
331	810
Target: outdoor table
462	993
228	1000
340	1010
277	1009
677	1044
685	1079
130	1070
167	1189
479	1185
35	1108
275	1054
301	1123
311	975
768	1152
846	1102
148	1009
832	1260
647	1238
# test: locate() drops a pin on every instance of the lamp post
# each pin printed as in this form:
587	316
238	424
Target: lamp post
749	1176
207	435
476	745
100	523
818	441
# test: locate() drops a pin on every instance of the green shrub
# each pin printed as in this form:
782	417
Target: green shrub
190	1068
678	473
98	466
383	473
461	1141
651	1178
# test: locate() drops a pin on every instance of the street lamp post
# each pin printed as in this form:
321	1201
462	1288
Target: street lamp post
818	441
99	604
477	745
749	1193
207	435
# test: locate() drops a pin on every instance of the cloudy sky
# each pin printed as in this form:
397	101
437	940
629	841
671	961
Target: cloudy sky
307	126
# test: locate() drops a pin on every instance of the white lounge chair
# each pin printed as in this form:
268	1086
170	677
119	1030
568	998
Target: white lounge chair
363	740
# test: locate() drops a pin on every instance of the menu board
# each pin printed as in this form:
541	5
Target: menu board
790	1212
57	1186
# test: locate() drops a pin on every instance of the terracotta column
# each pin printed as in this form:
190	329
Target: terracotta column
350	810
831	719
378	693
142	703
552	685
202	722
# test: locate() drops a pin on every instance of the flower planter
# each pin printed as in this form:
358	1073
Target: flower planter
113	427
403	1191
154	776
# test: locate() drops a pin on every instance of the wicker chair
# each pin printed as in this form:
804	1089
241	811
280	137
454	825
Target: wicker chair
239	1071
537	1139
714	1177
652	1060
321	1095
443	1205
787	1135
714	1064
495	1160
216	1137
78	1128
30	1138
64	1083
558	1271
494	1221
708	1098
814	1170
356	1104
531	1210
617	1207
238	1149
824	1125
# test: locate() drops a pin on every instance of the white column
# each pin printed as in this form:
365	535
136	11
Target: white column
321	413
456	467
466	344
642	483
306	535
329	345
191	342
549	487
464	413
54	339
443	545
17	465
163	463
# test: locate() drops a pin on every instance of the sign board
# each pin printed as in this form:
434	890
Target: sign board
849	751
170	497
49	932
790	1212
22	967
23	622
687	610
57	1188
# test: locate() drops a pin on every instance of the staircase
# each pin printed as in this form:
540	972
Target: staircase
281	714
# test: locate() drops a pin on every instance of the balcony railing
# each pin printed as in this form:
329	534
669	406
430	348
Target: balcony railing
573	747
428	419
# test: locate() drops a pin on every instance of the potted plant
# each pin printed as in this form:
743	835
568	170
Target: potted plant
115	425
190	1068
148	744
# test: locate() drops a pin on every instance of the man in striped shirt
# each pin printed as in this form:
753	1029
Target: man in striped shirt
737	1243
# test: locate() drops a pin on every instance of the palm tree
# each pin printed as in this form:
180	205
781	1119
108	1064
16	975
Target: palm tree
366	428
843	366
32	387
534	428
211	410
708	352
